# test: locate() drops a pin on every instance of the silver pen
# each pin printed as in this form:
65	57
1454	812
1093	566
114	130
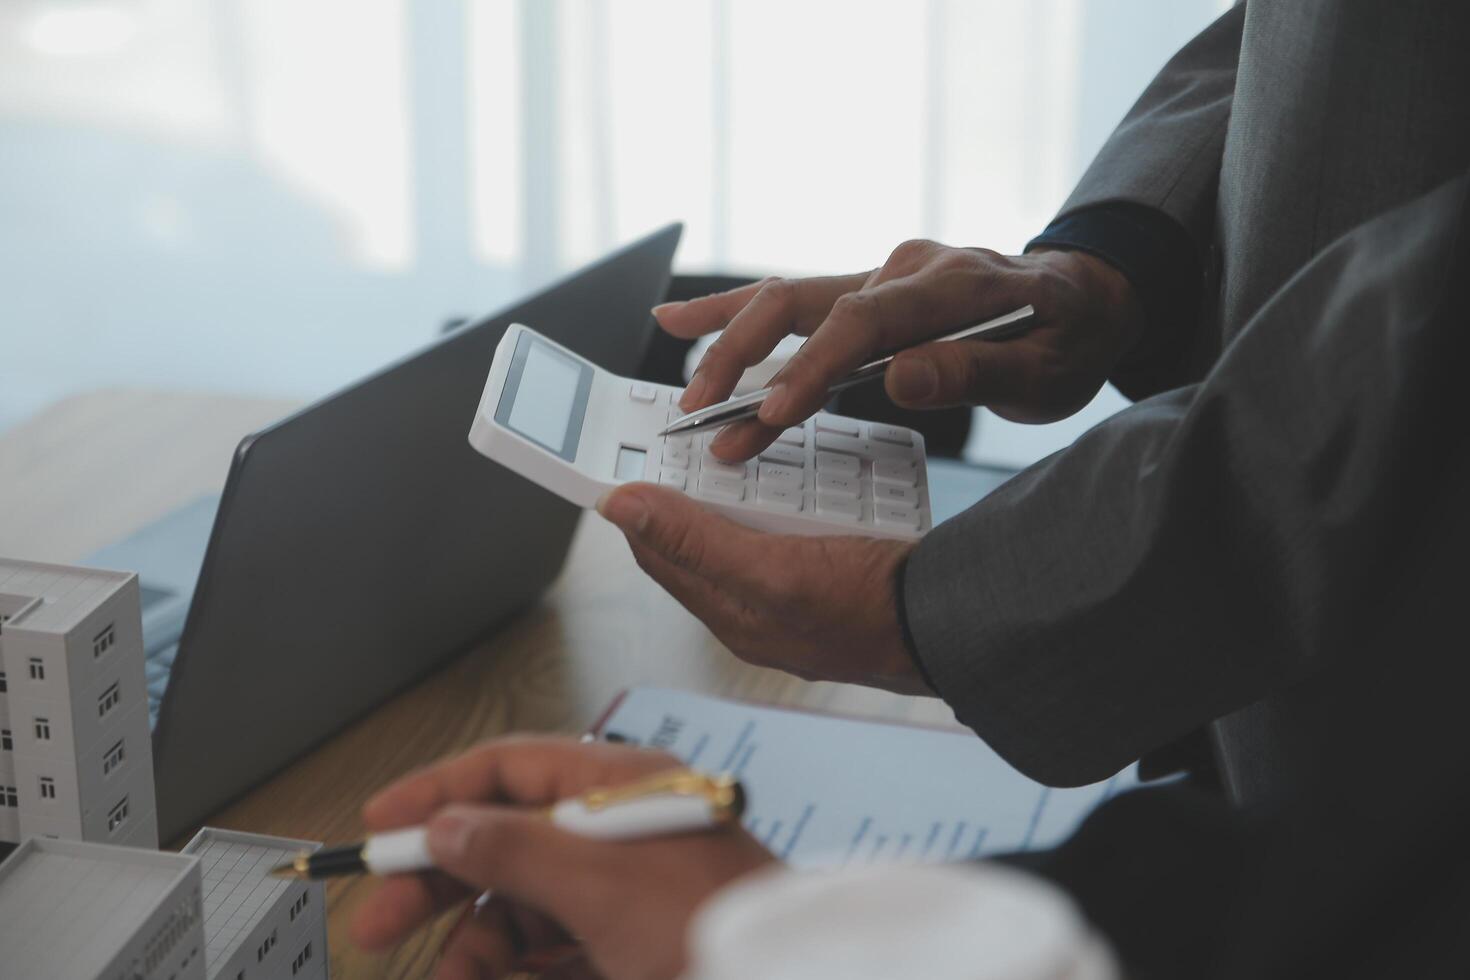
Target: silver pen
733	410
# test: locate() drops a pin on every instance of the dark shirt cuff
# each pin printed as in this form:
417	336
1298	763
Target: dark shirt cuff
1162	262
903	625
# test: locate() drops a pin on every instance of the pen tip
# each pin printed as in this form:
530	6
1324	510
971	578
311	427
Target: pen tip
298	867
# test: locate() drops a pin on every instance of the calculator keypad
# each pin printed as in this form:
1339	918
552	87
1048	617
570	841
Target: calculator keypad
794	437
844	472
778	453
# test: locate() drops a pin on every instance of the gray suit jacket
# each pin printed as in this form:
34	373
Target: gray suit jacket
1204	555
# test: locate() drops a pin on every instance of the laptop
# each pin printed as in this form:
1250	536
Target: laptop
357	544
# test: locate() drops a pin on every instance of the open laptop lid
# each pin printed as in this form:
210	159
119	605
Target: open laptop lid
362	541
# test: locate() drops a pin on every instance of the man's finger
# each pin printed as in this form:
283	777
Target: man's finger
497	937
483	943
779	307
696	317
860	324
963	372
949	289
575	967
522	855
742	440
748	339
532	770
688	536
399	905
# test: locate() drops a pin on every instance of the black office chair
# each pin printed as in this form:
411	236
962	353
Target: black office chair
945	431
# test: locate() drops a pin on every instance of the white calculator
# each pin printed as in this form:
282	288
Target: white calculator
577	430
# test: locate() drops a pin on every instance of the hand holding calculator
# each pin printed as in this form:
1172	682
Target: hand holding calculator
577	430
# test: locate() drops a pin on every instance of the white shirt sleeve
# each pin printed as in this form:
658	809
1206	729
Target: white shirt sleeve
971	921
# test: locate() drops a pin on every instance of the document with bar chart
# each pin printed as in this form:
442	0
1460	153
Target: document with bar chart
827	791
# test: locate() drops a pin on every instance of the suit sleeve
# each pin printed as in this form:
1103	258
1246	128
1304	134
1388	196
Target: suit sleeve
1158	256
1206	544
1166	152
1149	196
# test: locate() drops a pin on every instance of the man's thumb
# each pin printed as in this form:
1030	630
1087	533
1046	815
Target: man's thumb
678	529
667	522
625	508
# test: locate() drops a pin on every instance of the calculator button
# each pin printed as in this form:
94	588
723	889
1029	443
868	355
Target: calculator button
876	449
836	423
896	515
837	464
903	471
712	464
891	433
642	391
722	487
676	457
794	436
893	493
779	498
674	478
789	455
837	442
778	475
840	508
839	486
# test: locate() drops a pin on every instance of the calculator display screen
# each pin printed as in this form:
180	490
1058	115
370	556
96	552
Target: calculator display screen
545	397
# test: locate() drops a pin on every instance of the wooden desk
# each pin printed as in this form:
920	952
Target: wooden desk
94	468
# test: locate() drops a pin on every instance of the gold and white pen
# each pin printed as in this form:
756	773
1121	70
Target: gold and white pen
672	802
745	406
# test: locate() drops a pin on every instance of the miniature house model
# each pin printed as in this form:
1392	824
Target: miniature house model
94	912
257	927
76	758
77	911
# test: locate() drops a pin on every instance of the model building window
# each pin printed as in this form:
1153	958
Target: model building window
6	742
113	758
38	669
48	788
7	796
266	947
2	682
43	729
107	701
103	641
301	959
118	815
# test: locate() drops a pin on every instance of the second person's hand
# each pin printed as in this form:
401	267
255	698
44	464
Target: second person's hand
614	909
1087	317
819	607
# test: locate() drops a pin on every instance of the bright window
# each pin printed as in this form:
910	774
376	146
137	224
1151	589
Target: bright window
296	192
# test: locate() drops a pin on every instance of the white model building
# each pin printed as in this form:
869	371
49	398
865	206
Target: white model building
78	911
72	910
257	927
76	758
